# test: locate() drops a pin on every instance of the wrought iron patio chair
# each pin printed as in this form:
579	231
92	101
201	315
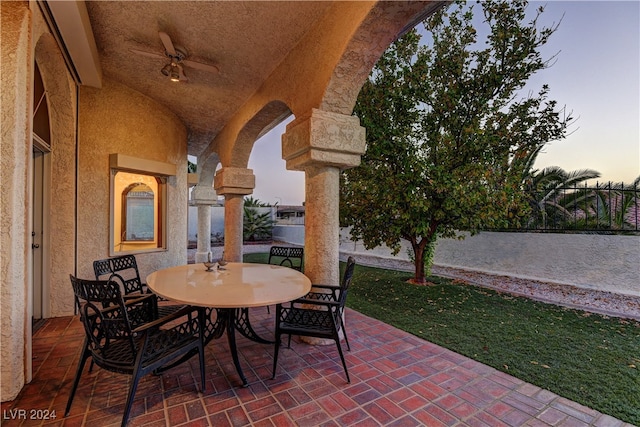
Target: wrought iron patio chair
287	256
115	344
317	314
124	270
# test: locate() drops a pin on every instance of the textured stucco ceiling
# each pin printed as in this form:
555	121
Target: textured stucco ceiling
245	40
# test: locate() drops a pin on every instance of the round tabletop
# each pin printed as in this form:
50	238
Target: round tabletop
237	285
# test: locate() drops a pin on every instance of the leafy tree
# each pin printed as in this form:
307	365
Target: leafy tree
447	140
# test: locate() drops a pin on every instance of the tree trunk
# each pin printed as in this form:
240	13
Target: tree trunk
418	252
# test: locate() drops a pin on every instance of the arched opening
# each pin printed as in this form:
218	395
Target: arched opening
274	183
41	175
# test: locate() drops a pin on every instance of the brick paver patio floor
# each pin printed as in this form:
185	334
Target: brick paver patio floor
397	380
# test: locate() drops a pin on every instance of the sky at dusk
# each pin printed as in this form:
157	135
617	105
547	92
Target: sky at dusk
596	76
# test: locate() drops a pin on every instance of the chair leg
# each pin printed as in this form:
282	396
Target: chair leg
346	339
202	323
275	355
76	381
203	385
344	363
344	331
132	392
336	338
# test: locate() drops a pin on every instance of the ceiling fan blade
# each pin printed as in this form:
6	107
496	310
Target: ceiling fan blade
201	66
168	44
149	54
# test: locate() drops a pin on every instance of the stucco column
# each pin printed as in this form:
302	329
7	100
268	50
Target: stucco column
322	144
203	197
322	227
234	184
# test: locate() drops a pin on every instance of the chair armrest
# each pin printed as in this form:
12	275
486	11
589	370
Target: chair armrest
332	287
325	303
136	299
163	320
325	296
320	296
131	300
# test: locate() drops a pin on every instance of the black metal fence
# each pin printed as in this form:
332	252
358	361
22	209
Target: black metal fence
605	208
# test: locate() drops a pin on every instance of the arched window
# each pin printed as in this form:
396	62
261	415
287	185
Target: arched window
40	112
138	212
138	218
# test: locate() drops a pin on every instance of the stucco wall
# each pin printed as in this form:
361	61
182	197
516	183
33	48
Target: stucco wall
59	243
14	177
293	234
25	39
116	119
585	260
591	261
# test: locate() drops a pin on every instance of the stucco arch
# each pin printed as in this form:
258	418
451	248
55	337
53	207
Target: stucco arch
61	93
325	70
269	116
382	25
237	152
207	169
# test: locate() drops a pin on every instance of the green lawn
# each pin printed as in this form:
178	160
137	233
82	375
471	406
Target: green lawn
588	358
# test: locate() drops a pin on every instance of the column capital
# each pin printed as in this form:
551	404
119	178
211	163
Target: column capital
231	180
323	138
204	195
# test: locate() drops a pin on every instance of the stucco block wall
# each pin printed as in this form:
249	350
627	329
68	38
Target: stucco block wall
585	260
293	234
116	119
609	263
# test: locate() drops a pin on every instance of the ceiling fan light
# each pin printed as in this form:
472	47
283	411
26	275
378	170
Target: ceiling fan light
166	70
175	73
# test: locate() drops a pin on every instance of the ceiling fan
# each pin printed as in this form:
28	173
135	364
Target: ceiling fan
177	60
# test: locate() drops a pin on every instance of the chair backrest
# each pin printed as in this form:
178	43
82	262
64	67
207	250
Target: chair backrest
102	269
346	280
287	256
103	314
123	269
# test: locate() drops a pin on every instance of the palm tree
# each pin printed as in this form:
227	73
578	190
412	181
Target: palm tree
256	226
547	191
255	203
616	206
191	167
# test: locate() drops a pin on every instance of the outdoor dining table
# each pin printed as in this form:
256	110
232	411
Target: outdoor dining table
229	292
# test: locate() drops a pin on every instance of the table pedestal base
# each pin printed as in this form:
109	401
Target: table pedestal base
230	320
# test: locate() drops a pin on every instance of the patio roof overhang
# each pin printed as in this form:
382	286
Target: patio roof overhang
260	48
